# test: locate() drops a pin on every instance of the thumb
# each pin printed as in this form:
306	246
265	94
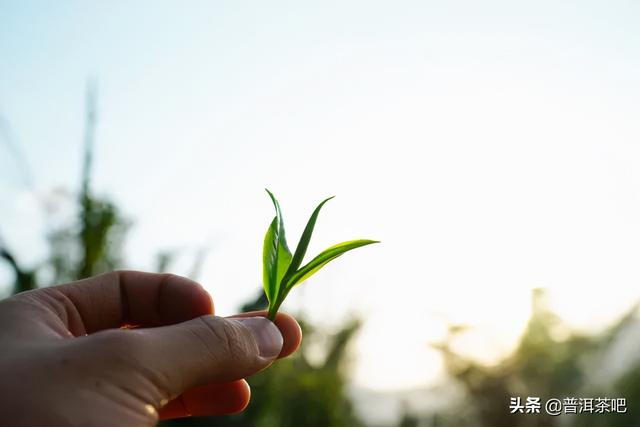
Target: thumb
204	350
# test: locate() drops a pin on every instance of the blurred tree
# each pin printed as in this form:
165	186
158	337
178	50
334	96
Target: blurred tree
24	279
549	362
408	419
91	244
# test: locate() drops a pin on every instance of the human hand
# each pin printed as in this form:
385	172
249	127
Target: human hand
66	359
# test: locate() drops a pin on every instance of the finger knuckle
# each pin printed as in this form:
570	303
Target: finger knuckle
225	340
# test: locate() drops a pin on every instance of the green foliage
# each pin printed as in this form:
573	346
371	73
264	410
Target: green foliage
409	420
549	362
89	245
281	270
99	232
25	279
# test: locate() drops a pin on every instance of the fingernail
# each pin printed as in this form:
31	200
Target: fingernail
266	334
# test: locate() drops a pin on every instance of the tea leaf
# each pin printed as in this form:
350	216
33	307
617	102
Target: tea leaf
269	261
322	259
303	244
281	271
275	254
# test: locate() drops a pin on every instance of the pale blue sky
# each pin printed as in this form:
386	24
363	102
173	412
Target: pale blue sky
491	145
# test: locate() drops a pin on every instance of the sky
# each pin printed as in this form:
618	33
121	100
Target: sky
491	146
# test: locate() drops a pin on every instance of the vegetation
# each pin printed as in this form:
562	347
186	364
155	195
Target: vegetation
90	245
281	270
550	362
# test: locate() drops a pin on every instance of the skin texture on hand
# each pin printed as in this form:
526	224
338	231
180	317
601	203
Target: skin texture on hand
127	349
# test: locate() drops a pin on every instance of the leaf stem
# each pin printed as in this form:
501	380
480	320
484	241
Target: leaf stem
273	310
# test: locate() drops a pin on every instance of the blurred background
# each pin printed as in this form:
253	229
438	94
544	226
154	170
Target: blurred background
490	145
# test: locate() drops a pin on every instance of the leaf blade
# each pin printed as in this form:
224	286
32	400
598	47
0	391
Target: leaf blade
303	243
323	259
283	256
269	260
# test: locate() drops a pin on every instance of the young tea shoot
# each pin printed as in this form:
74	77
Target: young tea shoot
281	270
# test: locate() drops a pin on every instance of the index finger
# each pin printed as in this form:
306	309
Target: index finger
123	298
